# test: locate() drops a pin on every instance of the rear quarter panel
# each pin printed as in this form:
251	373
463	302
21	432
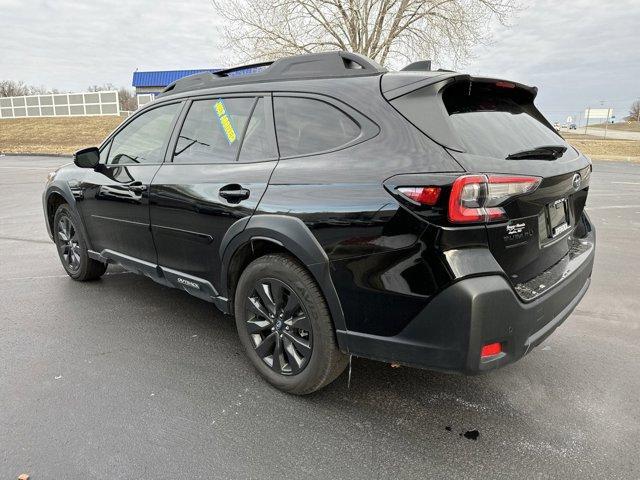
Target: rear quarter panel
340	196
371	241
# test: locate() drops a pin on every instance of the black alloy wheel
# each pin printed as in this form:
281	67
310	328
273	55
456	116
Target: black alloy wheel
68	243
72	246
279	326
284	325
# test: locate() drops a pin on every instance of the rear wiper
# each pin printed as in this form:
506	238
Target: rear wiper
546	152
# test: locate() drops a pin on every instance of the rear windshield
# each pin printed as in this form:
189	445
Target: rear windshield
496	121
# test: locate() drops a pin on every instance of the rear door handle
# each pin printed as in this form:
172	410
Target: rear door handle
234	192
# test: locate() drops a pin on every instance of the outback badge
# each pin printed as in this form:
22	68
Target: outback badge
188	283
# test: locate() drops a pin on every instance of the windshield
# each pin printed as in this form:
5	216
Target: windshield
497	121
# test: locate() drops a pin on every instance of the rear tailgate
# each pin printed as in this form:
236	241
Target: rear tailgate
492	127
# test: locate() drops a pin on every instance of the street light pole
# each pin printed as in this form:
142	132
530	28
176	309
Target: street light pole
586	125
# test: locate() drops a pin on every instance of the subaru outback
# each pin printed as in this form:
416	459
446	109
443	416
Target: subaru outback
425	218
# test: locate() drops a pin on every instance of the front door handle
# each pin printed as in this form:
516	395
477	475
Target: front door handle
234	193
137	187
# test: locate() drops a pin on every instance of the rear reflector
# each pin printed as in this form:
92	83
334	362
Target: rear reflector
477	198
505	85
491	349
422	195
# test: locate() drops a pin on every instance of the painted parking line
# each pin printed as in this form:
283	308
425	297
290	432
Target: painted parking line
26	168
29	240
612	206
602	194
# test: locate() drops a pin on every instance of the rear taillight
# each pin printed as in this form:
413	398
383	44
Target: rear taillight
491	350
505	84
477	198
422	195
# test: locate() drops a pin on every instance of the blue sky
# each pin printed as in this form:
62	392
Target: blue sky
579	53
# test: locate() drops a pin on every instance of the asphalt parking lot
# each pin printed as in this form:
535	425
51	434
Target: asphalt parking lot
123	378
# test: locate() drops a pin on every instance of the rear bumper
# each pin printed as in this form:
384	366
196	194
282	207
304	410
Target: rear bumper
448	334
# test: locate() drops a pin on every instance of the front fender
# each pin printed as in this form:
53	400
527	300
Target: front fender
62	188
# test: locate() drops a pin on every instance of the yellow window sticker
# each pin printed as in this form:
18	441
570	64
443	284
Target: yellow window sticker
220	108
228	128
225	121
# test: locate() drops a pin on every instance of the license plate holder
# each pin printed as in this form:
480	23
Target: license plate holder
558	217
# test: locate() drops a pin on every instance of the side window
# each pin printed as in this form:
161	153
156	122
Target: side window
143	140
212	129
259	141
104	152
306	125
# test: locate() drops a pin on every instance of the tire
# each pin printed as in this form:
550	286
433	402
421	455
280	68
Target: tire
72	247
310	358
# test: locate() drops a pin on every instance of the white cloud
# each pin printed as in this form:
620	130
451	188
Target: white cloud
70	45
577	52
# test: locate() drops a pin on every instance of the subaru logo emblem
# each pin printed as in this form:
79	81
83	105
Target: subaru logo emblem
576	181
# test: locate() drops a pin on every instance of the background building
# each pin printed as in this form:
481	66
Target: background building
148	84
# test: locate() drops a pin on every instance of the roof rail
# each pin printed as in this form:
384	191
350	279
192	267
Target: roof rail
227	72
314	65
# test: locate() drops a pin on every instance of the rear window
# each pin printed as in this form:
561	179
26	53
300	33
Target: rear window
496	121
306	125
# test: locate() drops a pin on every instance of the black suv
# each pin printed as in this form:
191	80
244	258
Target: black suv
427	218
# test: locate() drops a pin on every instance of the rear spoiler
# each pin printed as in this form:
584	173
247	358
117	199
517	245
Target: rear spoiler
395	85
404	89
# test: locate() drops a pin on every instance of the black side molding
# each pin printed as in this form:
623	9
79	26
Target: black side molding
198	287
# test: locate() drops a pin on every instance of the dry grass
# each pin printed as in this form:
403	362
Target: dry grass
66	135
62	135
623	126
613	149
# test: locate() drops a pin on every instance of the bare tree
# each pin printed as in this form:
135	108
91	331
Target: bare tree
101	88
13	88
127	98
634	112
384	30
42	90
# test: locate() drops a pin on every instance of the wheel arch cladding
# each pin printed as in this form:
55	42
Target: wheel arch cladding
62	190
54	200
279	233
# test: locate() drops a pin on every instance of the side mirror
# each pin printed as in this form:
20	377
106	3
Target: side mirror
87	157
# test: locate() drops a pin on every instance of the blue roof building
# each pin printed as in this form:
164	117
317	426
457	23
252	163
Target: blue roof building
148	84
159	80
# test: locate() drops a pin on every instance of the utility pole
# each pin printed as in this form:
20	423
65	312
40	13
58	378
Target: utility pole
586	125
606	123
